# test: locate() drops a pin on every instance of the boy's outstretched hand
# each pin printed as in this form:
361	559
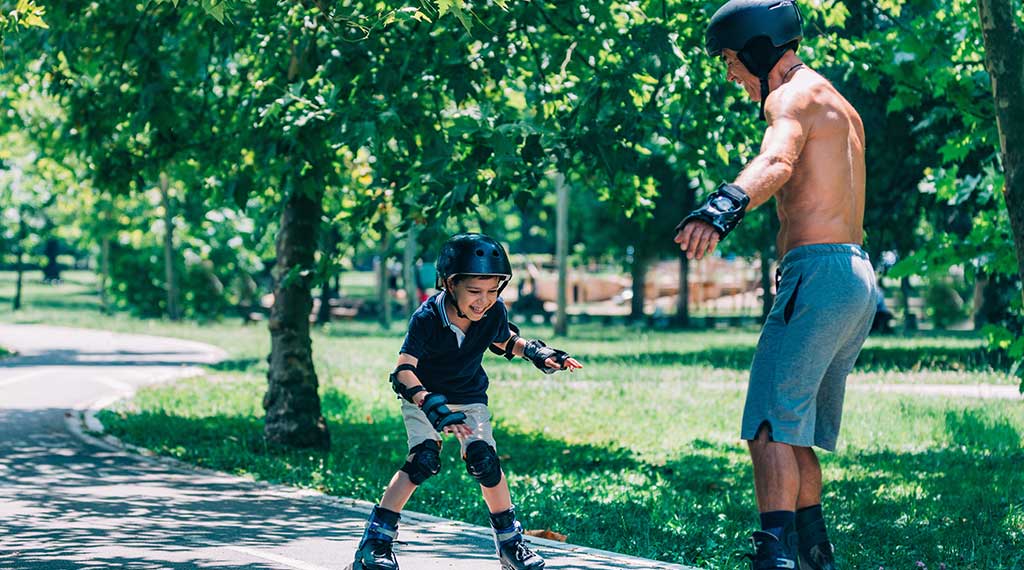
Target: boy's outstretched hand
570	364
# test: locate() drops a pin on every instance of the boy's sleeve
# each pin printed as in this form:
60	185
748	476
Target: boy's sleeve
417	338
502	334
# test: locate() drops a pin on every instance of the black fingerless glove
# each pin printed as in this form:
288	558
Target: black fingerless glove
435	406
537	352
722	209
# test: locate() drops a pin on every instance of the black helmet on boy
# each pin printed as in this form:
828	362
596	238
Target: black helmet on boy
472	254
759	31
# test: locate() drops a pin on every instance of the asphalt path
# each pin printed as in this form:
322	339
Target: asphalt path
69	500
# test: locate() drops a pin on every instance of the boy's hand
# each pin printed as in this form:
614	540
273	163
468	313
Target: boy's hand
460	431
570	364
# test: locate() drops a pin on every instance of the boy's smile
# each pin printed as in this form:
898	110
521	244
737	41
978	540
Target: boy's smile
475	295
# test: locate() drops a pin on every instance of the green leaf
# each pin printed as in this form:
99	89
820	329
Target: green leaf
722	152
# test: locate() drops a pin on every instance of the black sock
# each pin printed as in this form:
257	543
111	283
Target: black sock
382	525
777	522
385	516
810	525
505	526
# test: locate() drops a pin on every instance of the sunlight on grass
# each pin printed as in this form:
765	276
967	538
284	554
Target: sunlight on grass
637	453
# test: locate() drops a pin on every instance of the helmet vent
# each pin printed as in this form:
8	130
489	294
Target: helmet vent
480	252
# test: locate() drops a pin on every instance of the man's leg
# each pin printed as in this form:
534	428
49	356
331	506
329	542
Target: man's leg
776	473
776	486
810	477
814	547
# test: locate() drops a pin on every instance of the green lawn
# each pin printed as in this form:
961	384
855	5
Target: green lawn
637	453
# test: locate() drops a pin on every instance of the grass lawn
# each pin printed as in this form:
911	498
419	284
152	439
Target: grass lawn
637	453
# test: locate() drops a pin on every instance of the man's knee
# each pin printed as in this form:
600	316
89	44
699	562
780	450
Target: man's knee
483	464
424	461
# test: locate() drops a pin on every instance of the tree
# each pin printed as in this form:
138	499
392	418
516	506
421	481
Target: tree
1004	56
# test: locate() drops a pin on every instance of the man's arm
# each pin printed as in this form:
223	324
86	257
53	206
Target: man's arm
783	142
765	175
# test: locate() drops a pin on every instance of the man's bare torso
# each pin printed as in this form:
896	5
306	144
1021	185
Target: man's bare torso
823	201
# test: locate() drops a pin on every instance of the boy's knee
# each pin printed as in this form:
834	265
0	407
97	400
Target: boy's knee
424	461
483	464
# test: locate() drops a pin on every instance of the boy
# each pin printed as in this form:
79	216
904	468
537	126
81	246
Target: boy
444	387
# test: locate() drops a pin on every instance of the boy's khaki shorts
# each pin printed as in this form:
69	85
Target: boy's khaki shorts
478	418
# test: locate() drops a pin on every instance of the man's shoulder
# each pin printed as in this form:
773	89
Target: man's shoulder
808	99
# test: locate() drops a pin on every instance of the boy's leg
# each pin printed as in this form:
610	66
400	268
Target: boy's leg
479	452
375	550
398	493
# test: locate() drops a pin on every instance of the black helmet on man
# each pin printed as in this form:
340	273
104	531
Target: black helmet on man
759	31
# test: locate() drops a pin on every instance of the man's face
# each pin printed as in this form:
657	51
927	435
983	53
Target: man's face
737	73
476	294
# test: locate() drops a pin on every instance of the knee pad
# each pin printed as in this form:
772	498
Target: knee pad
424	462
483	464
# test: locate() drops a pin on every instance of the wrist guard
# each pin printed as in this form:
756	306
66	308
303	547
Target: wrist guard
722	209
537	352
435	406
402	390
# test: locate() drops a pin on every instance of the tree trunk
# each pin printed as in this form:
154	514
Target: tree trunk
638	273
768	299
170	273
409	272
22	232
21	272
682	318
1004	58
51	273
383	287
328	290
562	252
104	275
292	402
909	318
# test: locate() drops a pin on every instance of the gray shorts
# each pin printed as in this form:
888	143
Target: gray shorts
418	428
822	313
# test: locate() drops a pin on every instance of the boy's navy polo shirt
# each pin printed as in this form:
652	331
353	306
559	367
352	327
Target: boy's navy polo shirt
445	367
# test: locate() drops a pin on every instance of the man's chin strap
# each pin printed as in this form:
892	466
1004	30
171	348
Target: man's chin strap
764	95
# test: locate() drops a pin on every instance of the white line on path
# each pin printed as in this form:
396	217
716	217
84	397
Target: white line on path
289	562
122	387
26	376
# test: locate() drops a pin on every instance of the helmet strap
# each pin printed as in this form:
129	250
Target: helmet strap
764	95
455	303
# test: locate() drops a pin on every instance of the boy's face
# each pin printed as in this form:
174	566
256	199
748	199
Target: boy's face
476	294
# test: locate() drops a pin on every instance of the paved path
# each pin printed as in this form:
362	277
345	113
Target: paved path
69	501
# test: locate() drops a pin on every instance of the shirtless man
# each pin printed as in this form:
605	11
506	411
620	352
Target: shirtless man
812	161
